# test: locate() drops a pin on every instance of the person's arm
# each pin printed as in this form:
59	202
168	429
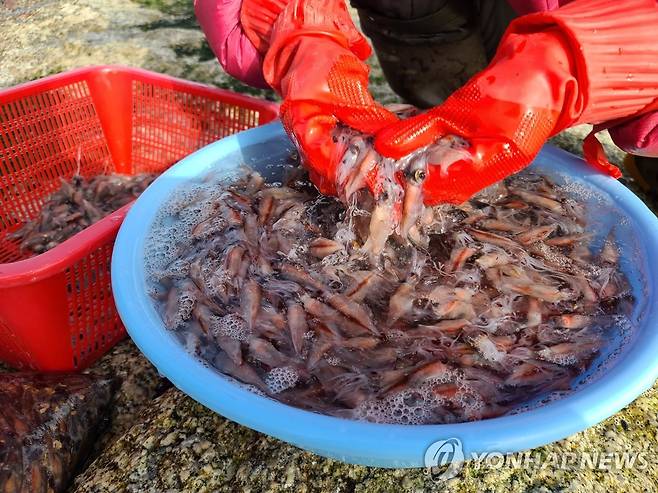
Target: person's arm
591	61
638	135
313	56
236	53
635	135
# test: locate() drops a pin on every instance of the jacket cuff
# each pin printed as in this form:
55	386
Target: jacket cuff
638	136
257	18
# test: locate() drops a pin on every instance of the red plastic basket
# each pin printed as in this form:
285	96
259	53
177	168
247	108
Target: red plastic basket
56	309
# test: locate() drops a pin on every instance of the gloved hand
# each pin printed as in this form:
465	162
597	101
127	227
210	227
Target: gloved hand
314	59
590	61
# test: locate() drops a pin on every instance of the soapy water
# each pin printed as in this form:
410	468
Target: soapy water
433	400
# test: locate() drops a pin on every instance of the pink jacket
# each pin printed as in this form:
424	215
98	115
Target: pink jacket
220	21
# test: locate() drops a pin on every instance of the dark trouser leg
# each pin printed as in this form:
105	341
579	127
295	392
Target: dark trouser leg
429	48
644	170
493	17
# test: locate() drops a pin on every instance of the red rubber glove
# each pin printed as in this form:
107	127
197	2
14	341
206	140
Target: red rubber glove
314	59
590	61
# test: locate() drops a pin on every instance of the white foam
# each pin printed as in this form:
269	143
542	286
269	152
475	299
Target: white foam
416	405
230	325
178	269
161	249
187	206
186	302
281	378
408	407
560	359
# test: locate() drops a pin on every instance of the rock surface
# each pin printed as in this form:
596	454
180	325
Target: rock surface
179	445
48	423
137	382
172	443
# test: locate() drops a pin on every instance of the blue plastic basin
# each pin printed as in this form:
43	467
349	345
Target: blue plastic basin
632	369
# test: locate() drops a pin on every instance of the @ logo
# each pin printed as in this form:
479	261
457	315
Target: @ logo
444	458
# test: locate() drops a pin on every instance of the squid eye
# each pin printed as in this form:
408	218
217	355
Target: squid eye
419	176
